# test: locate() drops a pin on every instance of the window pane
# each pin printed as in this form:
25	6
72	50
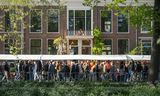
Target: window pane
71	13
122	46
7	45
106	23
52	20
146	47
79	20
80	13
108	47
35	46
86	50
88	21
51	47
86	42
122	23
88	14
7	22
71	22
74	50
35	20
73	42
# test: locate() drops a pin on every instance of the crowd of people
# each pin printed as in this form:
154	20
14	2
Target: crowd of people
119	71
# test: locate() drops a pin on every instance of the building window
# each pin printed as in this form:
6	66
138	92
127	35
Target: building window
108	47
12	22
122	46
35	46
122	23
53	20
51	47
146	47
79	22
35	20
106	23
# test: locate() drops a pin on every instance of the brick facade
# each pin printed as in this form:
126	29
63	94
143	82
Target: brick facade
133	35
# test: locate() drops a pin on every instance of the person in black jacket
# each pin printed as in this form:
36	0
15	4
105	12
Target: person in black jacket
5	70
45	70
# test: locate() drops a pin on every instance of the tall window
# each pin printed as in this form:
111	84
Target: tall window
146	47
108	47
79	22
35	21
12	22
122	46
51	47
35	46
122	23
53	20
106	23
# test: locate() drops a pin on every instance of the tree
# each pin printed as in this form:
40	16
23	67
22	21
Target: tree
97	42
141	14
136	51
60	43
155	55
13	15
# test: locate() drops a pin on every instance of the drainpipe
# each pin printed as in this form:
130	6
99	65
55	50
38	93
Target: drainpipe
22	35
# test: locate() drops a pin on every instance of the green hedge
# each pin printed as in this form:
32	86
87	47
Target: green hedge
26	88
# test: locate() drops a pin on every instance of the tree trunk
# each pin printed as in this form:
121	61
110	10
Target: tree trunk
155	55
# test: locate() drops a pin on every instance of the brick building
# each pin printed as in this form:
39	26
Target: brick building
75	23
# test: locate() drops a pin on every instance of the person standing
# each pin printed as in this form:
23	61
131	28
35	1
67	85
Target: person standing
35	71
50	70
6	71
17	77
